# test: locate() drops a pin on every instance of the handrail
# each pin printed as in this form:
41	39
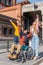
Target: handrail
7	42
6	39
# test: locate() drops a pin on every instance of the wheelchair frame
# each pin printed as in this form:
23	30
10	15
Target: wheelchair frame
23	53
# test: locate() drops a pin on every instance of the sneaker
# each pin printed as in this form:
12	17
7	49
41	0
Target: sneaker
9	55
14	56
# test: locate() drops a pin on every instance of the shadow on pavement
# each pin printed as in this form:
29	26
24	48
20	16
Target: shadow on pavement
40	55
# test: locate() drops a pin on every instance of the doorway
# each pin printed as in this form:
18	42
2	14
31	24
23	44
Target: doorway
29	18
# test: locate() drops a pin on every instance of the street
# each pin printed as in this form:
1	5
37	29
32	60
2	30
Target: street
5	61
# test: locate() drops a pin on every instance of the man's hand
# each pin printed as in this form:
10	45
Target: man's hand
10	20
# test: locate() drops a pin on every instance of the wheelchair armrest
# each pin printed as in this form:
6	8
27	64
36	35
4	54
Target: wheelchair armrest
27	48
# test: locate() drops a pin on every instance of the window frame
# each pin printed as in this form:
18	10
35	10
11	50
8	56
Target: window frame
4	26
9	31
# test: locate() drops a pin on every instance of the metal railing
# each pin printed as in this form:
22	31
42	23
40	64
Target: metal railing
7	40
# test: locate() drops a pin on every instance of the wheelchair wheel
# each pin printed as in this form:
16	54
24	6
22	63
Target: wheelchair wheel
21	57
29	53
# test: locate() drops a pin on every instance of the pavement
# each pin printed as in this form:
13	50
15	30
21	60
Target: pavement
5	61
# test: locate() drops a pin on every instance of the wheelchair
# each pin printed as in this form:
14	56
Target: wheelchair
25	53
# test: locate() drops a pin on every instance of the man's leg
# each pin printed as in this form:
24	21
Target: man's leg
12	50
17	51
13	47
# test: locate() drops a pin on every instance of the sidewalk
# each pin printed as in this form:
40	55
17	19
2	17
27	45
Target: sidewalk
5	61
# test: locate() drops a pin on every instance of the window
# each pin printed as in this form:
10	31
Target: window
4	1
11	31
0	0
8	2
5	31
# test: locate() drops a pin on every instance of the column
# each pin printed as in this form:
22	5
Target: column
13	2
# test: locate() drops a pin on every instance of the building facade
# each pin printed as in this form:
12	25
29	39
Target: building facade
30	11
9	8
25	12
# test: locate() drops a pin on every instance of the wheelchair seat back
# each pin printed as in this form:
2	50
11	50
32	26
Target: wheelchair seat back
24	48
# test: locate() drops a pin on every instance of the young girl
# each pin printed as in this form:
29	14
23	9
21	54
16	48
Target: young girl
35	41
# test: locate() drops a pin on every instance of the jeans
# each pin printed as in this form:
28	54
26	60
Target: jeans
35	45
16	39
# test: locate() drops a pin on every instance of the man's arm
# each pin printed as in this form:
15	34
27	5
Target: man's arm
14	25
18	22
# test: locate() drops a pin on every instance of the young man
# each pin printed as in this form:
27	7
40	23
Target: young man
16	31
18	46
16	39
